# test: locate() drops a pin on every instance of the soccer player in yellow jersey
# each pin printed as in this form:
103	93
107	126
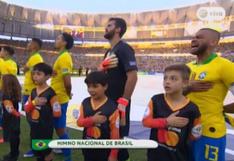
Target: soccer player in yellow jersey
8	66
61	83
35	58
212	77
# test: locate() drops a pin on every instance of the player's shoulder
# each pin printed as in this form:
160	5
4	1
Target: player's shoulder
37	56
125	46
66	56
221	60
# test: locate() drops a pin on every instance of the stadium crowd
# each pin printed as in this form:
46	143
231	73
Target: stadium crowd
147	59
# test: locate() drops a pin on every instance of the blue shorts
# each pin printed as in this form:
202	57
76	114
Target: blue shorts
25	99
207	149
61	121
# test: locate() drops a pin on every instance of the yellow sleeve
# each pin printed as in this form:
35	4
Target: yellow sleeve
227	73
66	65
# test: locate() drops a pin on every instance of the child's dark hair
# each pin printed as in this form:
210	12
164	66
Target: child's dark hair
9	49
69	40
11	87
38	41
43	67
182	68
96	77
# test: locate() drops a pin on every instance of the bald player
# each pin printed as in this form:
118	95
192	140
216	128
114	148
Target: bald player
212	76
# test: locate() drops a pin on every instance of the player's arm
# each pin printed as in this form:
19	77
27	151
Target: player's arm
197	85
149	121
127	58
114	134
66	67
230	107
10	108
130	84
55	106
227	77
67	84
84	121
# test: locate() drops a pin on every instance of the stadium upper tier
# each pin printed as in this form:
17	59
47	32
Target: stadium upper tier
163	24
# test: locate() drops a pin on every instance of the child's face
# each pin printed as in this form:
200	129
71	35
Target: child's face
39	77
96	91
173	82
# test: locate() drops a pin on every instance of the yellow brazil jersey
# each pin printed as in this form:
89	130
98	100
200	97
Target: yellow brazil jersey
62	66
8	66
220	72
1	67
1	64
34	59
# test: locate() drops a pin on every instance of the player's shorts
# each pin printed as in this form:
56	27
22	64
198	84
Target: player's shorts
25	99
206	149
61	121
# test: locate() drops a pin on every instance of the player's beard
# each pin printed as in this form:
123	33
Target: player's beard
109	35
200	50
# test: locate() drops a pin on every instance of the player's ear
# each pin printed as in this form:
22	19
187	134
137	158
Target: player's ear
213	43
117	29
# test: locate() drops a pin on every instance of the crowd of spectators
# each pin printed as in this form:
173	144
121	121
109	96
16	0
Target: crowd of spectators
151	60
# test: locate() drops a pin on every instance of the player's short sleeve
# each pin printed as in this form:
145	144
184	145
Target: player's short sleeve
127	58
227	73
66	64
